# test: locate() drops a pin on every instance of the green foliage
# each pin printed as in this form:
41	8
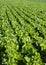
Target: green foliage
22	33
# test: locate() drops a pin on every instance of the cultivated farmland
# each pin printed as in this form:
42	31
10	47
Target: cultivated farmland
22	32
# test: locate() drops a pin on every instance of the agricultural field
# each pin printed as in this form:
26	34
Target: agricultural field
22	32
